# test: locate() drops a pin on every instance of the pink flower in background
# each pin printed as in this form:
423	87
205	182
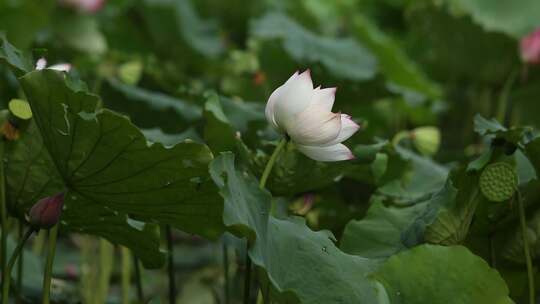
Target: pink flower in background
305	114
308	200
530	47
87	6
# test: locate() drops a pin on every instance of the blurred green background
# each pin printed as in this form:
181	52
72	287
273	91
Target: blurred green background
398	65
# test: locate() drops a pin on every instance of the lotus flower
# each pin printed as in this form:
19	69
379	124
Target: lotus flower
87	6
530	47
305	115
46	212
62	67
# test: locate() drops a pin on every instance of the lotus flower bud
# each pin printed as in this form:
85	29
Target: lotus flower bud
530	47
46	212
305	115
426	140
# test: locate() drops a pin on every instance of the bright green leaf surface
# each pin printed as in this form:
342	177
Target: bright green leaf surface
304	266
445	275
104	159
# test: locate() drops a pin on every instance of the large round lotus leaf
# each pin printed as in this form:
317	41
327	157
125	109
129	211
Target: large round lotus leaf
438	274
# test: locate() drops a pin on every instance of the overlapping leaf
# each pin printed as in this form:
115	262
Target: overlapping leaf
199	34
516	18
158	102
403	75
31	175
303	266
105	160
533	153
445	275
343	57
379	233
13	57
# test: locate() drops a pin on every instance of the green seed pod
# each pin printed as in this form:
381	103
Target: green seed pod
426	140
18	119
498	182
20	109
130	72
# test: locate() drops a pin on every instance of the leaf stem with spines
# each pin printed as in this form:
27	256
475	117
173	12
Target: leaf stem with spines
126	273
20	266
170	265
7	271
47	276
262	184
225	249
138	279
526	250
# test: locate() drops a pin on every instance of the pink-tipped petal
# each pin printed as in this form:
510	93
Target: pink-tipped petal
348	128
63	67
327	154
324	98
315	126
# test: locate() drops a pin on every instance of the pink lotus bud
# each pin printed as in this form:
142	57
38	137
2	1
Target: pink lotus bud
86	6
46	212
530	47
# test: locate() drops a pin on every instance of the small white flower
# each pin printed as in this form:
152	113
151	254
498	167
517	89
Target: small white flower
305	115
62	67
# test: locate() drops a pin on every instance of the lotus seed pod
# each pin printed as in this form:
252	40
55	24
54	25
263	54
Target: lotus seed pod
426	140
131	72
498	182
18	119
20	109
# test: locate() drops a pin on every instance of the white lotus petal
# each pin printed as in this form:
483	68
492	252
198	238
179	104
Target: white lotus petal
294	97
348	128
330	153
315	126
269	110
63	67
324	97
41	63
292	77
